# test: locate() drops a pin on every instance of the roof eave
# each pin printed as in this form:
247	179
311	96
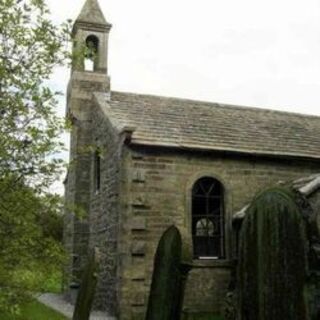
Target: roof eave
206	148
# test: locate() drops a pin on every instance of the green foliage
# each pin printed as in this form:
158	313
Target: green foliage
30	47
272	259
33	311
169	276
51	218
80	52
87	288
52	282
28	252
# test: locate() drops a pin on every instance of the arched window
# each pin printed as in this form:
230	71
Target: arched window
208	219
91	52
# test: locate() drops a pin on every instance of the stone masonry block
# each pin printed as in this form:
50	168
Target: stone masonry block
136	273
138	224
138	175
139	200
138	248
138	299
138	313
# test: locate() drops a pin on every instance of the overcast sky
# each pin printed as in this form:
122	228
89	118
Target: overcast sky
257	53
263	53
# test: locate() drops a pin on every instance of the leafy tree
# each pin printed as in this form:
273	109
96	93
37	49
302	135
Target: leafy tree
30	252
31	45
50	219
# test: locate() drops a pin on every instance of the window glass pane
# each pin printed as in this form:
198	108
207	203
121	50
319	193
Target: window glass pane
196	190
217	226
213	246
216	190
206	185
199	206
214	206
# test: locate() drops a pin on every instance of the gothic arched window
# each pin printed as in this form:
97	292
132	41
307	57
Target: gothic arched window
208	218
91	53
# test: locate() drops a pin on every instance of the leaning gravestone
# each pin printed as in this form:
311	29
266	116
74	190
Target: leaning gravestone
172	263
87	288
272	269
308	199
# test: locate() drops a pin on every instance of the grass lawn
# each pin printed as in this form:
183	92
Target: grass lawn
35	311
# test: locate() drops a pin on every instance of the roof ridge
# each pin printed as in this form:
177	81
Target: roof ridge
217	104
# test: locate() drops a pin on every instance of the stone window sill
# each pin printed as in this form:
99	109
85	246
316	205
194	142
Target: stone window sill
212	263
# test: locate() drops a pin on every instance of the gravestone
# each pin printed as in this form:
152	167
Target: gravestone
172	264
272	269
87	287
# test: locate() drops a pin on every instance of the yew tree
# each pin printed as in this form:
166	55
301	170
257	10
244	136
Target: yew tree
31	46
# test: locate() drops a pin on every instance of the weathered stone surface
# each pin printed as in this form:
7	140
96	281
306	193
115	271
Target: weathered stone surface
91	13
79	184
138	223
140	199
138	299
138	175
137	272
138	248
104	214
168	192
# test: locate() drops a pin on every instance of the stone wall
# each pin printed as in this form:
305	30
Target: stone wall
77	195
104	215
155	193
143	191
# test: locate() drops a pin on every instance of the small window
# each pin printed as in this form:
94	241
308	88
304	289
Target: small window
91	52
97	170
208	219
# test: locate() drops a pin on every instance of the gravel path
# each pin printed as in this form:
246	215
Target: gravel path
56	302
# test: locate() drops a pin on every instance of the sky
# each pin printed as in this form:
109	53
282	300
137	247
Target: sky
261	53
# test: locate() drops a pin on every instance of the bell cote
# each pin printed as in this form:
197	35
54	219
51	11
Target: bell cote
90	33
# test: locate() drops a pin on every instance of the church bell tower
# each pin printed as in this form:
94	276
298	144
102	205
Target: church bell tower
91	33
89	74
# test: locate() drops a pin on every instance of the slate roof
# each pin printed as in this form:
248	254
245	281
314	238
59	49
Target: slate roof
188	124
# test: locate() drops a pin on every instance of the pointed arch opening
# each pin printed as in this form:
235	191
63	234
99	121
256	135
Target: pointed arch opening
208	219
91	53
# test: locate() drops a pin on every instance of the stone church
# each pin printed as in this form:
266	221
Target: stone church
141	163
